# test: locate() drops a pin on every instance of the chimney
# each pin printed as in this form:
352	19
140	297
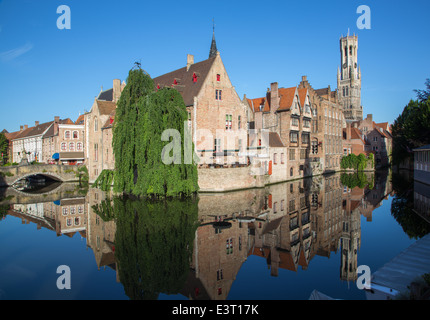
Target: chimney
116	90
190	61
56	122
274	97
304	78
21	128
370	117
25	126
36	123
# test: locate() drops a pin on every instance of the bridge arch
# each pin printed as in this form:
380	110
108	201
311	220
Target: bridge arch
51	175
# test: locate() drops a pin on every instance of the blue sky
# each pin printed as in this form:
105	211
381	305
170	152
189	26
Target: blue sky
45	71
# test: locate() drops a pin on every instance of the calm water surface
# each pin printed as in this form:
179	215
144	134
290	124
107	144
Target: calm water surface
277	243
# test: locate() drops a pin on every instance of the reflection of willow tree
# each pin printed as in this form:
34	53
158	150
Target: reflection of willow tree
402	208
153	244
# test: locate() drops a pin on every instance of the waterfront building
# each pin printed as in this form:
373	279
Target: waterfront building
63	142
378	139
286	112
327	128
422	164
96	148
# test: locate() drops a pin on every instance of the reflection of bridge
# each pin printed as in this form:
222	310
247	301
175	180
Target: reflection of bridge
56	192
10	175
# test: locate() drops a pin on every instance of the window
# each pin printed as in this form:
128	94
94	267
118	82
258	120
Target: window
72	210
219	275
282	205
275	158
77	221
282	158
295	121
307	123
79	146
96	125
67	134
294	136
189	119
218	94
291	171
80	209
63	146
75	135
305	138
71	146
292	207
238	122
375	139
275	207
65	211
218	77
96	152
69	222
292	154
228	121
194	78
217	145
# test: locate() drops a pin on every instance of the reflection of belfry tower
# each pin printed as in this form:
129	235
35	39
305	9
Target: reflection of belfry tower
350	242
349	79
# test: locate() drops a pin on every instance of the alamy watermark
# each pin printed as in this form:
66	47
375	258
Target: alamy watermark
65	20
64	281
364	20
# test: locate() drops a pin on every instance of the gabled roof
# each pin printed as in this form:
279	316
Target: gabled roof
50	131
80	119
286	96
105	107
109	122
302	95
185	83
106	95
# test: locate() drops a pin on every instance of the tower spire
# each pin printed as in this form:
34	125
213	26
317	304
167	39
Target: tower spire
213	50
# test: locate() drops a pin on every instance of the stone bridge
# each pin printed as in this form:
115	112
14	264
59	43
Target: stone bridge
63	173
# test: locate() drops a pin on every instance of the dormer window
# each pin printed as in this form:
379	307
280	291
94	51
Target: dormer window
218	77
175	81
158	86
194	77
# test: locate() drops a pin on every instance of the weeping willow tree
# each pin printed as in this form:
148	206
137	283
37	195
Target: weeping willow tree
154	244
142	116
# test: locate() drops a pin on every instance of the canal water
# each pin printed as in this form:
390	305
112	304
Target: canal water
277	243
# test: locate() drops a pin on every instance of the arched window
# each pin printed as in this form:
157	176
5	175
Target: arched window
79	146
96	125
291	171
64	211
63	146
71	146
75	135
67	134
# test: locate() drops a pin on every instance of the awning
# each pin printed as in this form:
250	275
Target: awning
56	156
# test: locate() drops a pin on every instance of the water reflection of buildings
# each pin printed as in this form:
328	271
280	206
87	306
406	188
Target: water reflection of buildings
285	224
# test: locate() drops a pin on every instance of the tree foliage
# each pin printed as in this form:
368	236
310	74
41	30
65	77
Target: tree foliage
4	146
411	129
359	162
141	117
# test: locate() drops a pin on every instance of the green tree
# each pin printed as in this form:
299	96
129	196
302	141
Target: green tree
142	115
411	129
4	148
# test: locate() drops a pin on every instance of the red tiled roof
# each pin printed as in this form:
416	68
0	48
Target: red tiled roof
286	97
302	95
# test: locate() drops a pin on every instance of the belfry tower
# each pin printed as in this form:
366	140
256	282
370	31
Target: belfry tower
349	79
